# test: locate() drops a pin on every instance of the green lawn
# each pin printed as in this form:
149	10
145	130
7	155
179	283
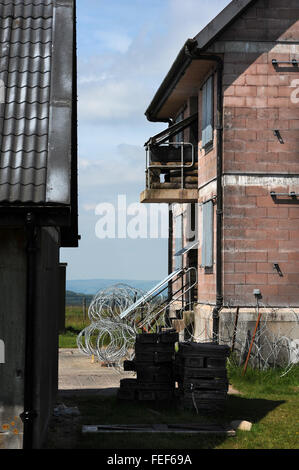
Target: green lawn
270	402
75	322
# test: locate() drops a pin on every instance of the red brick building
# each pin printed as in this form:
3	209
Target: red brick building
232	93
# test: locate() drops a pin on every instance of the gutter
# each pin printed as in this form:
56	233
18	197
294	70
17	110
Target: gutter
195	54
170	268
174	75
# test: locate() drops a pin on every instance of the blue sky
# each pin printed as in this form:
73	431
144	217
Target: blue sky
125	49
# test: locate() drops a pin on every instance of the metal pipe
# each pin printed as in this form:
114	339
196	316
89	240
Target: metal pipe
253	338
235	329
29	414
292	194
182	167
170	251
196	54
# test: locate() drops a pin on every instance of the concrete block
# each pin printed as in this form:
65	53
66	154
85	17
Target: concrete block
241	425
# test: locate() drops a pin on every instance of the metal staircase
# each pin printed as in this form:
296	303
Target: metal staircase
182	282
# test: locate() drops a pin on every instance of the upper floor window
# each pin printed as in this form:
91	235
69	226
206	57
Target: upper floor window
208	113
207	234
179	227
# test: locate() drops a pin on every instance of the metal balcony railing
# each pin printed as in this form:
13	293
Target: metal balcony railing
170	159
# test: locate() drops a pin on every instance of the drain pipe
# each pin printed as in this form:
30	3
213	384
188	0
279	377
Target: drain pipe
195	54
170	256
29	414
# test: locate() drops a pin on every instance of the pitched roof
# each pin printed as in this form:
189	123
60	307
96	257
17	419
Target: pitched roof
220	22
202	40
36	110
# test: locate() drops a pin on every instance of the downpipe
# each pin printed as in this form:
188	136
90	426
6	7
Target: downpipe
170	236
195	54
29	415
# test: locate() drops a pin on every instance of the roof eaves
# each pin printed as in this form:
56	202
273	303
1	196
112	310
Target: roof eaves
201	41
178	68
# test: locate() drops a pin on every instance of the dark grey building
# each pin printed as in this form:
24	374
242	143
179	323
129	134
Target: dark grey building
38	206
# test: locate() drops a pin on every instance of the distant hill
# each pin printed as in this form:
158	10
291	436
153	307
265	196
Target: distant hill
92	286
73	299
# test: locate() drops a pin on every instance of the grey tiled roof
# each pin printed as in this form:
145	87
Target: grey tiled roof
29	54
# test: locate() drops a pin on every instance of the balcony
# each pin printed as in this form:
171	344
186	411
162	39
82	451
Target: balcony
171	167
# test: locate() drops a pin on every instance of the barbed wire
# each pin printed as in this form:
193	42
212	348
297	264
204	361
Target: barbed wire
275	343
111	339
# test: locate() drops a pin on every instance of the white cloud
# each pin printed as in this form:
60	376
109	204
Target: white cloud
116	99
83	163
92	78
89	207
125	166
119	42
120	86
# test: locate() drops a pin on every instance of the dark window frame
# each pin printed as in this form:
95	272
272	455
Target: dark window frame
207	114
179	240
207	246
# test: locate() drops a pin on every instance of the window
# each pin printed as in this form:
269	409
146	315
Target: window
207	234
207	113
178	240
192	222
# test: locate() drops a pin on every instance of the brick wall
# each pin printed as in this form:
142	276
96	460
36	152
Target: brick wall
266	20
254	110
259	231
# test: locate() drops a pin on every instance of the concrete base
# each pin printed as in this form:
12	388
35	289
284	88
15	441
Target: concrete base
282	323
169	196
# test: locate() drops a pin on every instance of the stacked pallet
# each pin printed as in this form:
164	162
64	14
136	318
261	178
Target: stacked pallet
153	363
200	370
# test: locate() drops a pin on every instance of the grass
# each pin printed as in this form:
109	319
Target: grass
269	401
74	323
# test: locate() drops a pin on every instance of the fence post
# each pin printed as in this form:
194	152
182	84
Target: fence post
84	310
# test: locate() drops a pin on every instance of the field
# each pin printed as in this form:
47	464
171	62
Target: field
75	322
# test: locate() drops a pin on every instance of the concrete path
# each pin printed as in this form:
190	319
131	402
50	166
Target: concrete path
77	373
